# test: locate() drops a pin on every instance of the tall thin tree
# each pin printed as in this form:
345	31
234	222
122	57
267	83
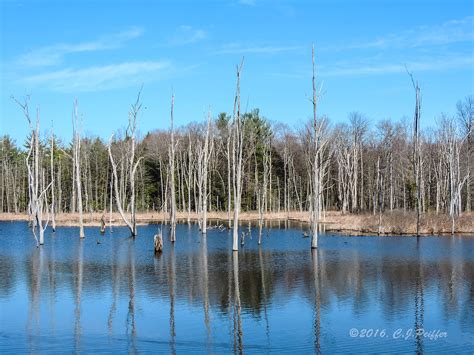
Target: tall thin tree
237	151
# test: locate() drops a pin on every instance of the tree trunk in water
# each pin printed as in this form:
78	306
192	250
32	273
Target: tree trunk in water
77	167
237	147
172	181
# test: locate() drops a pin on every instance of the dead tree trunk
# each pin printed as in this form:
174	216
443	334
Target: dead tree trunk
77	166
132	166
318	145
204	167
416	151
237	151
189	176
172	176
158	242
262	189
229	174
37	204
451	151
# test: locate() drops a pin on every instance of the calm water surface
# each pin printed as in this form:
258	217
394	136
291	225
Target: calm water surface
76	295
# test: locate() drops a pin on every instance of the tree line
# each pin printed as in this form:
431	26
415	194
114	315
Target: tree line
242	161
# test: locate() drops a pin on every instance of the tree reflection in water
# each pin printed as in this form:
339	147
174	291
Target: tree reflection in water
198	295
317	300
419	303
131	327
171	285
78	291
238	334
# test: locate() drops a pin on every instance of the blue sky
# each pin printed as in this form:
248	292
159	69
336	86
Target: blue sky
100	52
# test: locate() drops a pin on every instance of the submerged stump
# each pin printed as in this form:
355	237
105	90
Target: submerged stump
102	225
158	242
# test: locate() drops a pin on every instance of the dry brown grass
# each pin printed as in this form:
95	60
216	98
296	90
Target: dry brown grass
396	222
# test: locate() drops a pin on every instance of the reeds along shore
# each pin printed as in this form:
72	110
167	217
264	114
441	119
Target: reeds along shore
394	223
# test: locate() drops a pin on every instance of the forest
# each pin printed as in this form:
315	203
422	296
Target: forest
242	161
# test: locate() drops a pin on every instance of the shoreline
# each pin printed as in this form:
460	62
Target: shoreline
393	223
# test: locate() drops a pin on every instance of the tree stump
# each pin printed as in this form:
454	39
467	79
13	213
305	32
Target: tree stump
158	242
102	225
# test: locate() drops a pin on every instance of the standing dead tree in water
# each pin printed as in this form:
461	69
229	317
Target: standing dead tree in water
416	150
204	152
76	160
318	143
37	188
132	165
229	174
172	153
237	151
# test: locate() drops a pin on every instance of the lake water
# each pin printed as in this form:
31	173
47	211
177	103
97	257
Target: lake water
354	294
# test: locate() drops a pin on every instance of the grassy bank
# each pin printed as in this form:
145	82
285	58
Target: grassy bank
392	222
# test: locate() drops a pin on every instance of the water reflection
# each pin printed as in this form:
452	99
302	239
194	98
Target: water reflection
317	301
199	296
205	290
171	284
131	328
78	275
419	304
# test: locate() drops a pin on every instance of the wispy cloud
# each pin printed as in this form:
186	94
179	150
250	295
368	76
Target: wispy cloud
453	31
54	54
187	35
432	64
98	78
363	68
234	49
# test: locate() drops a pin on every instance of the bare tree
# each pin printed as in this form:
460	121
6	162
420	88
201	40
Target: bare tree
190	172
172	152
237	150
53	201
132	165
229	173
36	187
263	186
451	151
416	150
77	164
319	142
203	157
466	117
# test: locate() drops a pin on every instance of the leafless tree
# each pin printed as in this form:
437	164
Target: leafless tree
37	188
237	150
466	117
204	152
172	153
76	160
53	201
416	150
318	142
451	153
132	164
